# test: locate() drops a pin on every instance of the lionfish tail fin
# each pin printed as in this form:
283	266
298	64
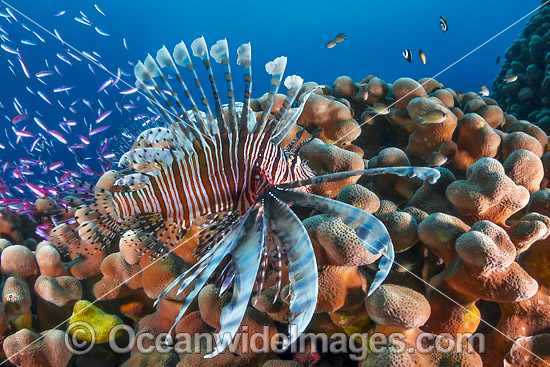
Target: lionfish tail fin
371	232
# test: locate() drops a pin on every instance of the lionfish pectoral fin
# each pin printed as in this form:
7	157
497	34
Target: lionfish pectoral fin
423	173
209	262
108	223
207	270
384	266
246	261
133	179
302	266
371	232
147	159
215	231
158	234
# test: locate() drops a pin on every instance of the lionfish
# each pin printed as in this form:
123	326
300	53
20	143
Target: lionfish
195	165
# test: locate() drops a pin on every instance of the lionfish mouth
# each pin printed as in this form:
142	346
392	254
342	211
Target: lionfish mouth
197	163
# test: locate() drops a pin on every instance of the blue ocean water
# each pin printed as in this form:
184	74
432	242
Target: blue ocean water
377	33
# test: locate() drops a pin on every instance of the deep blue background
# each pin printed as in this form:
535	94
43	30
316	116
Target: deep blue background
378	32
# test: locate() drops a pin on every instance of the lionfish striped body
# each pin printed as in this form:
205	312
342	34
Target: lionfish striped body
200	165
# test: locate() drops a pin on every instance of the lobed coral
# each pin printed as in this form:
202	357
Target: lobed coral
471	247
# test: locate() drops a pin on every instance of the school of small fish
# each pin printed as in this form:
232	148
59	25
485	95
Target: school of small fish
59	129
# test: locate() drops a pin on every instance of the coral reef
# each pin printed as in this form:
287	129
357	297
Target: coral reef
527	58
472	250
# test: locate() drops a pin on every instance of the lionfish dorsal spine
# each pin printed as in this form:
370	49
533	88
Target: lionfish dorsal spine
143	74
165	61
182	58
200	50
276	69
244	59
153	69
220	53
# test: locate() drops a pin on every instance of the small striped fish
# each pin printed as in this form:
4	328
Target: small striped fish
197	163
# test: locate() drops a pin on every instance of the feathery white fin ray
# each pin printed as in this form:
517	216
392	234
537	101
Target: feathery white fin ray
244	59
146	159
220	53
208	268
302	266
181	57
144	74
246	261
163	113
200	50
165	61
293	84
212	260
423	173
371	232
289	118
275	68
151	65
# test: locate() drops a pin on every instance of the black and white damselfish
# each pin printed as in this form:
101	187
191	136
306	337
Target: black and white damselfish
197	163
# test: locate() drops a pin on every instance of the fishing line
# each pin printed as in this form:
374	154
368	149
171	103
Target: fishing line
99	65
448	67
175	247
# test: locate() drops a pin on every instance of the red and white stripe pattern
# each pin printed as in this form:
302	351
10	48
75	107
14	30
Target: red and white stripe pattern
225	175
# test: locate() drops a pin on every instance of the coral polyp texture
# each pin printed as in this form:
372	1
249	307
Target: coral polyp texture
472	250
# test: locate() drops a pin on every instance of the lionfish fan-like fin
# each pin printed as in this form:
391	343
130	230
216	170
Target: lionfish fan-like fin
293	84
154	102
184	278
142	75
224	274
209	262
214	232
167	137
156	233
133	180
244	59
220	53
260	278
200	50
276	260
423	173
302	266
165	61
104	204
151	66
289	119
371	232
146	159
201	274
181	57
275	68
246	261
